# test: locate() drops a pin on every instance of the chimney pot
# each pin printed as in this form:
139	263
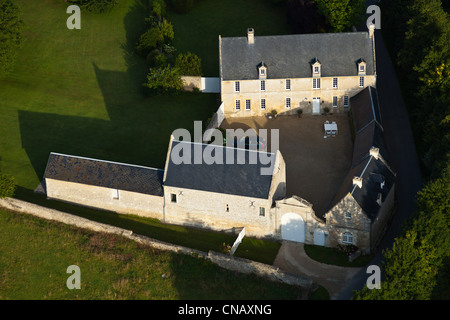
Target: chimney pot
357	181
250	35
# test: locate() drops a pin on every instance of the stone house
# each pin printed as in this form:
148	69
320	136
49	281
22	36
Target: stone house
362	207
290	72
231	192
108	185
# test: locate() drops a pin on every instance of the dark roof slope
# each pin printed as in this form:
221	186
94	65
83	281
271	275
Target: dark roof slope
377	178
106	174
236	179
368	137
365	108
290	56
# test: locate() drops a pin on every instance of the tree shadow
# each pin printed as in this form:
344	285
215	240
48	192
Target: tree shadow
139	127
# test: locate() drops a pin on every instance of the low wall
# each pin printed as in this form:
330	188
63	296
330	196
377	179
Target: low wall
225	261
264	270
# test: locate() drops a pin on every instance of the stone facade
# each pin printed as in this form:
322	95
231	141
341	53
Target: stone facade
356	223
220	211
106	198
301	94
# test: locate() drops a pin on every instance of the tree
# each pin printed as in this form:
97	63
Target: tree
341	15
189	64
155	38
410	271
7	185
164	79
10	34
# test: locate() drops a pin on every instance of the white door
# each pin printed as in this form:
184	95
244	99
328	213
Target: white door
316	106
292	227
319	237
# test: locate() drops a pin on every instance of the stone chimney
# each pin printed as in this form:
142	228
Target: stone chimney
357	181
250	35
374	152
371	30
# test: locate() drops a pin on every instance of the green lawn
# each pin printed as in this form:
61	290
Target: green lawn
35	254
264	251
80	92
334	257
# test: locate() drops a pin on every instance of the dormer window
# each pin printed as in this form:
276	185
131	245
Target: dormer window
315	64
361	67
262	70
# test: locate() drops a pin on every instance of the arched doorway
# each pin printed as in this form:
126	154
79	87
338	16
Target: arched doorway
292	227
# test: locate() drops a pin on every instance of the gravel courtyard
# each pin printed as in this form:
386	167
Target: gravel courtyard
315	166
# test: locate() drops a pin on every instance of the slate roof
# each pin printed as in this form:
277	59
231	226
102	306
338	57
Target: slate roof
368	133
290	56
365	108
235	179
368	137
374	173
106	174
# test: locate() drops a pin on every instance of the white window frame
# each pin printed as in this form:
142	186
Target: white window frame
237	86
115	194
248	104
346	101
316	69
361	82
262	71
262	211
362	68
347	238
263	85
263	104
237	104
316	83
335	83
335	101
288	103
288	84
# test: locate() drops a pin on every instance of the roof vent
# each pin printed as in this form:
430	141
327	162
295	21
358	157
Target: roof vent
250	35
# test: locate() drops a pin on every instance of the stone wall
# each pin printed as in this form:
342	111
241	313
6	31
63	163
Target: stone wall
227	262
301	94
218	211
358	225
104	198
191	82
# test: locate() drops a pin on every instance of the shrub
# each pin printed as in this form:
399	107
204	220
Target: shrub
189	64
164	80
7	185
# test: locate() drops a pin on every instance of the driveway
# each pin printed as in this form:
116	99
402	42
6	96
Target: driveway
293	258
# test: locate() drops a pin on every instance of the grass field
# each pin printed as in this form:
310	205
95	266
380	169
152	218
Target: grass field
80	91
35	254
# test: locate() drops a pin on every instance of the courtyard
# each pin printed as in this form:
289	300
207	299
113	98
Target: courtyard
315	165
